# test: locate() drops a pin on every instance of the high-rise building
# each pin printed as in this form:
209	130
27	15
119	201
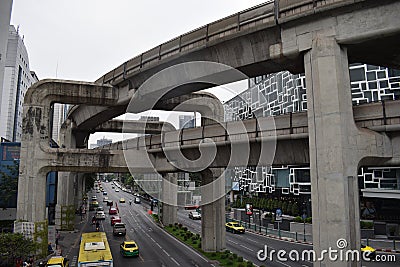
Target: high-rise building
60	112
5	15
17	79
186	121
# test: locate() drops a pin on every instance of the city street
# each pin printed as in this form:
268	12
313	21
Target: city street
157	248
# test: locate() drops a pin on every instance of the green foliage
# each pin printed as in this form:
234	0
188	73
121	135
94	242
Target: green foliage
9	183
155	217
295	209
90	178
240	259
298	219
285	207
195	177
366	225
309	220
15	245
249	264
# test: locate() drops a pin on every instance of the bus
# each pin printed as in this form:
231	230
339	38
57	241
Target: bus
94	250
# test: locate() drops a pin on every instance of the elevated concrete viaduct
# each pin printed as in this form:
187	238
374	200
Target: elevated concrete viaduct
318	37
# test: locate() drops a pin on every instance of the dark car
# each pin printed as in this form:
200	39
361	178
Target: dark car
119	229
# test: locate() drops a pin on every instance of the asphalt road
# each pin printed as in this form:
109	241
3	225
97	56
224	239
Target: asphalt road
158	248
248	244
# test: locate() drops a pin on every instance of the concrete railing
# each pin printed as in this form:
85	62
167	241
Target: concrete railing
380	116
269	14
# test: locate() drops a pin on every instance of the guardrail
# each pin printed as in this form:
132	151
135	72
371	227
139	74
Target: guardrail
278	233
265	15
382	245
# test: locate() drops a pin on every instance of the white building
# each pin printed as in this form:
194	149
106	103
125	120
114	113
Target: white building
17	79
59	115
5	14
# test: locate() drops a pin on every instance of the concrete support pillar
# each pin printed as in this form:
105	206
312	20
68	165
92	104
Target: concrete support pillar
213	212
169	198
80	190
336	148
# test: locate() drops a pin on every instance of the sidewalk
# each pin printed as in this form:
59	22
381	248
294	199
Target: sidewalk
70	239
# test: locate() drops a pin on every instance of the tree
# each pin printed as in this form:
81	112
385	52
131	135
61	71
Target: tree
14	246
295	209
89	180
9	183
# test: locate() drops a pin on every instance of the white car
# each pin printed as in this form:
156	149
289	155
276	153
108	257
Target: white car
100	215
117	190
105	199
194	215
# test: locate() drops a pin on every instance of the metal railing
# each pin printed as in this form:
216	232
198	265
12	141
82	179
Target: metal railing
273	232
382	244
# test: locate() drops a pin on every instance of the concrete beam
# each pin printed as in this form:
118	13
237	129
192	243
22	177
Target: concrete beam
35	150
131	126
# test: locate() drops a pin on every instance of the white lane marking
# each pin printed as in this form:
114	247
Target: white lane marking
247	248
74	261
251	240
158	245
233	242
166	253
177	263
152	239
287	265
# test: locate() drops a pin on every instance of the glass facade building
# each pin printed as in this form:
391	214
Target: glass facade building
282	93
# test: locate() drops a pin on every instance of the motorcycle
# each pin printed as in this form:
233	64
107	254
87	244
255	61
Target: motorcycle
130	202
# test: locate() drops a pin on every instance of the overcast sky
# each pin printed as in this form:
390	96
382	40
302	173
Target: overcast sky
84	39
87	38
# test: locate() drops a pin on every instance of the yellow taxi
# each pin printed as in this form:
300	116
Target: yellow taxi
57	261
234	227
122	200
370	252
129	248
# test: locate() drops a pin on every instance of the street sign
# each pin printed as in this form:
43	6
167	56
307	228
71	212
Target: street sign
249	209
278	215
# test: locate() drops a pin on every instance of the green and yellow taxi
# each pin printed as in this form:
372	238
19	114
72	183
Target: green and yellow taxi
234	227
93	205
368	251
57	261
129	248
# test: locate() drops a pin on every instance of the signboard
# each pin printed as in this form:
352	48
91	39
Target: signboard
278	215
235	186
249	209
51	236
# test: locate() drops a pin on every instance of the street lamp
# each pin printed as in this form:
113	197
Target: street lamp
304	216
